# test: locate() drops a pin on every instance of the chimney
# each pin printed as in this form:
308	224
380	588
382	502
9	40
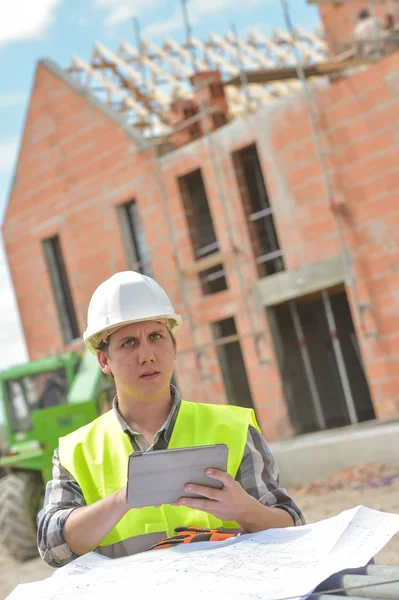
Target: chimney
179	112
210	91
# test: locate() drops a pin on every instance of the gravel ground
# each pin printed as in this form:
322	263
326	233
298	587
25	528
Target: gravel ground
13	573
314	506
386	498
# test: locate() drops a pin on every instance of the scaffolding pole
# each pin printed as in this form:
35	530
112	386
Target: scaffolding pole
139	45
347	263
242	73
350	405
220	190
308	366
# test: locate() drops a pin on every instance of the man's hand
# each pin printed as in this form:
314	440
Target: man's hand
233	503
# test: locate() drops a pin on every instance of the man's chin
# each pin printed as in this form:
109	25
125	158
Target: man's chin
149	390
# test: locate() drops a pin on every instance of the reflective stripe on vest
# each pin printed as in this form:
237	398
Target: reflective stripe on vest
96	455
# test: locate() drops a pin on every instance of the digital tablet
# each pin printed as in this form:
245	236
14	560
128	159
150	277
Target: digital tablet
159	476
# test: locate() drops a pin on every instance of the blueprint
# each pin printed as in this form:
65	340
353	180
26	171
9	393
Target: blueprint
270	565
82	565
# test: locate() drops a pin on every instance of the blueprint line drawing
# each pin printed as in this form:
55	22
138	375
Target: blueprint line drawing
269	565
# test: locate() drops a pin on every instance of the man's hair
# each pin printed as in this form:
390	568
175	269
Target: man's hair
364	14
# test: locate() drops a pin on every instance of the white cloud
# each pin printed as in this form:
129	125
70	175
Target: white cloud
26	19
198	9
8	154
123	10
9	99
164	28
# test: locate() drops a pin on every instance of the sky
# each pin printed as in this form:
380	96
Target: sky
34	29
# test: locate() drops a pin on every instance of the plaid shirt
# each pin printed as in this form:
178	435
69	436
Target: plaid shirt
258	475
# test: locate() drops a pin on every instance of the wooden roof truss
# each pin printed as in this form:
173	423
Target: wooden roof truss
141	85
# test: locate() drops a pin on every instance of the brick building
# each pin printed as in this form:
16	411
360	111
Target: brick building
238	227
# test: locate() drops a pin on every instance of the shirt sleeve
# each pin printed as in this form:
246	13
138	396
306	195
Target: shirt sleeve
62	496
258	474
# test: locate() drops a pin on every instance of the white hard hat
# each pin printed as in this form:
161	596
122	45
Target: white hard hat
126	297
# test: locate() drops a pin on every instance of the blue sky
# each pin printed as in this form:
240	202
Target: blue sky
35	29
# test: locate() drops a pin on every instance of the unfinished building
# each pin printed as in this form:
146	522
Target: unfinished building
269	214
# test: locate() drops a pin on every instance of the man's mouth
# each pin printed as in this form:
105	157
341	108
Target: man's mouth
149	375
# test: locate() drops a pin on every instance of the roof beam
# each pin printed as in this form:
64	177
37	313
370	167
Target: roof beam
284	73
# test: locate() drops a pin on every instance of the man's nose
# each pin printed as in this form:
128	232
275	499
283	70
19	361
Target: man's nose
146	353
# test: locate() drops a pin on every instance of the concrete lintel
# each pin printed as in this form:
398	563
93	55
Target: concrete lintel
280	287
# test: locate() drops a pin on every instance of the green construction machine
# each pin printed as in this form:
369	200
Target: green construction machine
42	401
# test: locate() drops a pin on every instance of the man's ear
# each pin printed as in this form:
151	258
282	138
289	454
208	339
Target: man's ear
103	362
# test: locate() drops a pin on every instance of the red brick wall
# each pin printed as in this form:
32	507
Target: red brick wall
358	118
76	165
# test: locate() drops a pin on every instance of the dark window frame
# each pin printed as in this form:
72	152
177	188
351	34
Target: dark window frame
228	350
203	238
61	289
134	241
255	199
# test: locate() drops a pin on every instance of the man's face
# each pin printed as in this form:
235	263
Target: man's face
141	358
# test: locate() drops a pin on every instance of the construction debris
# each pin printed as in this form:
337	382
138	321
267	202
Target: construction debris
352	478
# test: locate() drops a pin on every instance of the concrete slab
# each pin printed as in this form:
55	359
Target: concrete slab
315	456
289	285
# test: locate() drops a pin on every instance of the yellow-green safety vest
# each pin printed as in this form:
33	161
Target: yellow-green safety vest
97	454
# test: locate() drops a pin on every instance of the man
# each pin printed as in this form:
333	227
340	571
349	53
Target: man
131	326
367	35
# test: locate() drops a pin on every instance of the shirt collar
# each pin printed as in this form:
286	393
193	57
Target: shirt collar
166	428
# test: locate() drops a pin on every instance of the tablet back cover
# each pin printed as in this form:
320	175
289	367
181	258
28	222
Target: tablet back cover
159	477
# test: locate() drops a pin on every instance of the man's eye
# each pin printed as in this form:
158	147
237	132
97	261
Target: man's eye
128	342
156	336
